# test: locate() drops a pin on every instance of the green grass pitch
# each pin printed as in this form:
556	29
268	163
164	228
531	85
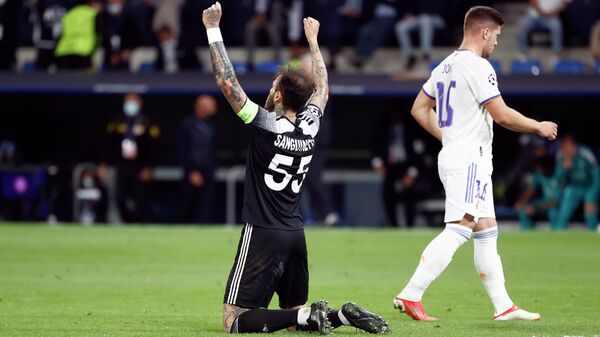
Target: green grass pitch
161	281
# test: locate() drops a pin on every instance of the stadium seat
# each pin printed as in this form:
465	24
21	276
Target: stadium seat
268	67
25	57
529	67
597	66
141	57
497	65
239	67
568	67
146	67
28	67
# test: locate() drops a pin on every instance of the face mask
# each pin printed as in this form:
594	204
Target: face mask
88	183
131	108
113	9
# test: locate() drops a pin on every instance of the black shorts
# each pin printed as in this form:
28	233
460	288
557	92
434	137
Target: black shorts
268	261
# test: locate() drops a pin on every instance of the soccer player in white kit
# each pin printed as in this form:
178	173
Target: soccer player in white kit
464	90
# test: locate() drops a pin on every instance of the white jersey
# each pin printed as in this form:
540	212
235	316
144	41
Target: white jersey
461	85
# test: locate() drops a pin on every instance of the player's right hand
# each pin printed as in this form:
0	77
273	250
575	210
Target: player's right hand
311	28
548	130
212	15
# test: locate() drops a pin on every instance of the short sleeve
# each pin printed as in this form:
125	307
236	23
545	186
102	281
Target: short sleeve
265	120
310	120
484	82
429	88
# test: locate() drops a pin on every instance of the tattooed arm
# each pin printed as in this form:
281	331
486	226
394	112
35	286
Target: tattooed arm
319	71
222	67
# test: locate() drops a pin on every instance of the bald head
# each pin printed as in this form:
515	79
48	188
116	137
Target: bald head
205	107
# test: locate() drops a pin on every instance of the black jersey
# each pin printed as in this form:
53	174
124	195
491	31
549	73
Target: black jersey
279	155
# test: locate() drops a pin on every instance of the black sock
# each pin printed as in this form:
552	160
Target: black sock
335	319
264	320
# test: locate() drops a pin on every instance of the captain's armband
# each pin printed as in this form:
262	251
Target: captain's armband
248	112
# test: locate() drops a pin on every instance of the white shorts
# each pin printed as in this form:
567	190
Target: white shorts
468	191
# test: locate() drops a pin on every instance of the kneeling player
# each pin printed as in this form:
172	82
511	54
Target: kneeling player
272	254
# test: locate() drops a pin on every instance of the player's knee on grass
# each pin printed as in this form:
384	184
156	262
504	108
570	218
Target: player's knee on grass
230	314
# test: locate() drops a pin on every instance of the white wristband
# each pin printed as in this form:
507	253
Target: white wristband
214	35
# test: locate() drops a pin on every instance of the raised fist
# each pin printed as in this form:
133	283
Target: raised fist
212	15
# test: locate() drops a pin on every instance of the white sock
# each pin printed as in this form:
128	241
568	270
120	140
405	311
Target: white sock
343	318
489	267
303	314
436	257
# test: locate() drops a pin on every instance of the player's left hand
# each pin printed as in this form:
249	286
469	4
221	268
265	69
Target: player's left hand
212	15
548	130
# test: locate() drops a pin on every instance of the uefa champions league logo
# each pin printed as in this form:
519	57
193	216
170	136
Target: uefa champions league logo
492	79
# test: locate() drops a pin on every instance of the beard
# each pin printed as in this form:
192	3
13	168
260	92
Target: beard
270	104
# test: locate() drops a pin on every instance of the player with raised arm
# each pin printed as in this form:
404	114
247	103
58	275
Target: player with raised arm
464	90
272	255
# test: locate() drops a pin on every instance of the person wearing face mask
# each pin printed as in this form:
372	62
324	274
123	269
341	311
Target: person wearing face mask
130	148
91	194
198	157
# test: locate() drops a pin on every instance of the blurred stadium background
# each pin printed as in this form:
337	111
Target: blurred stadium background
56	121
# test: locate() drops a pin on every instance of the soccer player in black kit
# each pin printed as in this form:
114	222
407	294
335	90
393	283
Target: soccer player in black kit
271	255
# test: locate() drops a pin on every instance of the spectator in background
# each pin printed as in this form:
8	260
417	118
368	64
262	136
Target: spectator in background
9	15
543	183
424	16
166	25
340	22
142	14
192	34
120	35
393	160
131	147
167	14
8	152
79	36
542	14
577	170
46	17
167	60
373	33
273	16
91	195
530	148
198	157
595	42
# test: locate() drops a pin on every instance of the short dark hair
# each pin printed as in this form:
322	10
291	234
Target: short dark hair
480	16
296	87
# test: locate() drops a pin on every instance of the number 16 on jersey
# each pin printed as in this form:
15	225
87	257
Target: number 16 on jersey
441	95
